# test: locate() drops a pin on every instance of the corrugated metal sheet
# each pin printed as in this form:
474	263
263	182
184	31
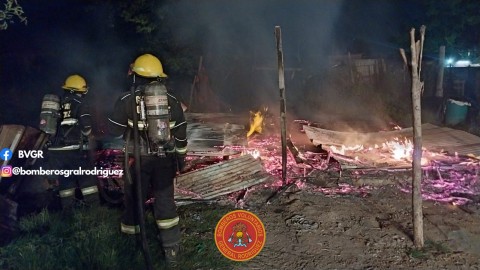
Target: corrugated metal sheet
434	138
208	133
221	178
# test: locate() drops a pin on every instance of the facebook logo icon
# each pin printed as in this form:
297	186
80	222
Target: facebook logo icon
6	154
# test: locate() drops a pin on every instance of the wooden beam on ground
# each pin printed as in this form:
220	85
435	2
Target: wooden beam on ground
294	151
376	178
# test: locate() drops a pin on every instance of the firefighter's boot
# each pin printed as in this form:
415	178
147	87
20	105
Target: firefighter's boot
171	256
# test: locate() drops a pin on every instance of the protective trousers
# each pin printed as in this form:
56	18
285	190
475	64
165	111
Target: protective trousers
158	174
74	186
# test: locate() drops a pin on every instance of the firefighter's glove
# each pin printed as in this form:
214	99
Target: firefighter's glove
181	164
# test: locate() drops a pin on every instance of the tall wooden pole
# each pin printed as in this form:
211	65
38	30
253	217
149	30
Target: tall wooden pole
441	68
195	81
283	106
417	89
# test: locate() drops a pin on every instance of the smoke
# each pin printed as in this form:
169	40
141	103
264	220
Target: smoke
236	39
57	44
239	51
99	53
238	42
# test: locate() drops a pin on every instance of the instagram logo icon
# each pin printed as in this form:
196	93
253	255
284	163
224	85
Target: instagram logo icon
6	171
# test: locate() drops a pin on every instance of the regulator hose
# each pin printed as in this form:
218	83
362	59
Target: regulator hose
138	183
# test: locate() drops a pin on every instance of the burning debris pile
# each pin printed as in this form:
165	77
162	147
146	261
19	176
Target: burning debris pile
386	157
336	162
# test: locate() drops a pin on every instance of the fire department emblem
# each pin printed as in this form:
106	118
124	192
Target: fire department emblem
240	235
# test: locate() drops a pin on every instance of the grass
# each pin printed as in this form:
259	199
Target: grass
430	249
91	239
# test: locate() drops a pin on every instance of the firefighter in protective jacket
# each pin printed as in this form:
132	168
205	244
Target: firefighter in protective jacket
163	146
69	148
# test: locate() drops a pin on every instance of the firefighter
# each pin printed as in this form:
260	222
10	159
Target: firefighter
162	156
69	148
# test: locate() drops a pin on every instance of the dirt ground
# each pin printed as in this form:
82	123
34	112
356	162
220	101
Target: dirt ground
369	229
311	230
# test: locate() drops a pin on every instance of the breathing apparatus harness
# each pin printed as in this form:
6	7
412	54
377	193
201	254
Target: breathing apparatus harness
151	106
155	114
56	113
49	114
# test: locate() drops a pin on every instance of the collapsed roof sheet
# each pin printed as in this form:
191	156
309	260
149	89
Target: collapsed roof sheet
434	139
221	178
209	133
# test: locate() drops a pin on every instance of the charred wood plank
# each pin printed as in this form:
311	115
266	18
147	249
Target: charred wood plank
279	191
294	151
10	136
376	177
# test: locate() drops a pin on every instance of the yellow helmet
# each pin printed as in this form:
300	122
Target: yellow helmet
75	83
148	66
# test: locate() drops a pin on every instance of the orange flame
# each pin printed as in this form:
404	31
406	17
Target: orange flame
398	149
256	123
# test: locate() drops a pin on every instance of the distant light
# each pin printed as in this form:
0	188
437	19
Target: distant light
449	61
462	63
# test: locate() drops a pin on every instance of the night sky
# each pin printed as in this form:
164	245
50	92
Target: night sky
61	38
66	37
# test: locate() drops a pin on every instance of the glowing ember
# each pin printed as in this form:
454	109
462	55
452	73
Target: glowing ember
446	178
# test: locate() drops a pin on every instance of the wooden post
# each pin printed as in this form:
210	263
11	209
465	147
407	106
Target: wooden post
350	68
195	80
405	66
441	68
417	89
283	107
